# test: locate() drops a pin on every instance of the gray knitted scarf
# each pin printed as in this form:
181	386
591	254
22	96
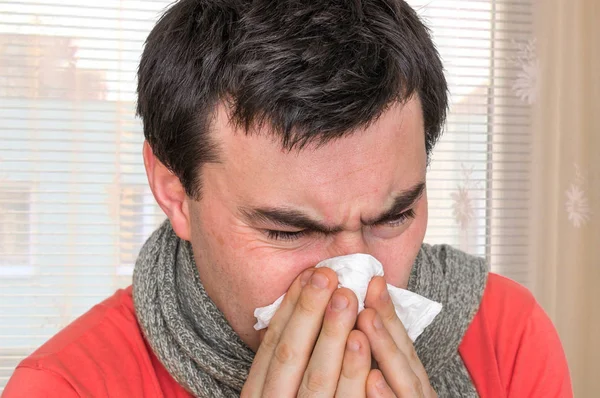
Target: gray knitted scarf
198	347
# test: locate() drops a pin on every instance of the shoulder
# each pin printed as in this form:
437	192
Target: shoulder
509	312
31	382
507	301
506	310
101	353
111	322
512	345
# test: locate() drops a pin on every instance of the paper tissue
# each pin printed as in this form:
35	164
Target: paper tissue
354	272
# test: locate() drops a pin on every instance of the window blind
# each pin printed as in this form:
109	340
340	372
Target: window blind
74	203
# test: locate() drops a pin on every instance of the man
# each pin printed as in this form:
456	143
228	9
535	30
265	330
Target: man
279	134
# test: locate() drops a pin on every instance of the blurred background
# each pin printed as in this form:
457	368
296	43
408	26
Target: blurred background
515	178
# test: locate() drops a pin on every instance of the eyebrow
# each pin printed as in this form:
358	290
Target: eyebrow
290	218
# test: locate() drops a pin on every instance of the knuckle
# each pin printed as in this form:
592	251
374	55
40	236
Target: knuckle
284	353
271	339
394	349
316	382
417	387
306	306
365	318
389	316
331	330
389	353
412	355
412	387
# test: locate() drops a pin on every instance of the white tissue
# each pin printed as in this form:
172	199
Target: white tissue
354	272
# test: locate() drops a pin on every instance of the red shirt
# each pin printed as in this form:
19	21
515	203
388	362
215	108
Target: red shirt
511	349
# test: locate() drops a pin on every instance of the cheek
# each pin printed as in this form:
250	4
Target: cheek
274	269
251	266
398	255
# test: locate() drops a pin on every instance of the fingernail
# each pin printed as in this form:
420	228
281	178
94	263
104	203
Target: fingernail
319	280
380	385
339	302
384	296
353	346
306	276
377	322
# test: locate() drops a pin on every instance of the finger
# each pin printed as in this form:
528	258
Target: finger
355	367
379	299
377	386
393	363
292	352
270	337
325	364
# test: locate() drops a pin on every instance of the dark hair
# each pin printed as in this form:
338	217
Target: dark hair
311	70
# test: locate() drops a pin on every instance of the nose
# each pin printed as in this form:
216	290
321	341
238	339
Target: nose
348	242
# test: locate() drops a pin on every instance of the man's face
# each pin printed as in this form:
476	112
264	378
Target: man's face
267	214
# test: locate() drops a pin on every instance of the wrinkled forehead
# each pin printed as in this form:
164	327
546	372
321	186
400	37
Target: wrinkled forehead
387	155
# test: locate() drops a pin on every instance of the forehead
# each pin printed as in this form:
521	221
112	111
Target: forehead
388	155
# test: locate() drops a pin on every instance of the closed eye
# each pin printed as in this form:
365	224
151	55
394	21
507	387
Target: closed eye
285	235
288	236
399	219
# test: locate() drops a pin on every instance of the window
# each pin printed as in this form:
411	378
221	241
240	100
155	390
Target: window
138	217
15	234
479	175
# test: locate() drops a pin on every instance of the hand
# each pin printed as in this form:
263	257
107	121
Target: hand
310	348
402	373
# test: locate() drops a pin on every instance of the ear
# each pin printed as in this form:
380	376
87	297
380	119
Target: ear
168	193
